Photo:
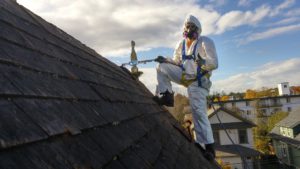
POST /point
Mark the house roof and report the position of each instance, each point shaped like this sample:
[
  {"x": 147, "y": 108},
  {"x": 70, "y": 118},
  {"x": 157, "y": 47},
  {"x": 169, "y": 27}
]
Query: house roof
[
  {"x": 238, "y": 150},
  {"x": 233, "y": 125},
  {"x": 64, "y": 106},
  {"x": 291, "y": 141},
  {"x": 245, "y": 122},
  {"x": 291, "y": 121}
]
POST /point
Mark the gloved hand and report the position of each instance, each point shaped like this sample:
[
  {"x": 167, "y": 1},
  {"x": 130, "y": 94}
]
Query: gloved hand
[{"x": 160, "y": 59}]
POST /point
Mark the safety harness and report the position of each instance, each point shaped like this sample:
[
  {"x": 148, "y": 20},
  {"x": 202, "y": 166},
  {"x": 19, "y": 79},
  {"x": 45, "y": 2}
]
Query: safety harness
[{"x": 200, "y": 73}]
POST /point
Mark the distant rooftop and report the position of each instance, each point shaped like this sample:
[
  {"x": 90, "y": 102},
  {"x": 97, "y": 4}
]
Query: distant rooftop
[{"x": 260, "y": 98}]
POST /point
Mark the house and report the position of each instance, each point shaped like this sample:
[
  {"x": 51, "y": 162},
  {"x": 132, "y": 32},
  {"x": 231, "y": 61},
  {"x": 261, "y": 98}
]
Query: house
[
  {"x": 63, "y": 106},
  {"x": 237, "y": 150},
  {"x": 262, "y": 107},
  {"x": 286, "y": 139}
]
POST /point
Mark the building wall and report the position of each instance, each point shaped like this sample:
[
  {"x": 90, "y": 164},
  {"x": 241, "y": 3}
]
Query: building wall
[
  {"x": 295, "y": 156},
  {"x": 233, "y": 133},
  {"x": 288, "y": 154},
  {"x": 292, "y": 105},
  {"x": 249, "y": 109},
  {"x": 282, "y": 151},
  {"x": 224, "y": 140},
  {"x": 250, "y": 138}
]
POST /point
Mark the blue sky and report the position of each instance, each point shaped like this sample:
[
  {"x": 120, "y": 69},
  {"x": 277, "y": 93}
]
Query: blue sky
[{"x": 257, "y": 41}]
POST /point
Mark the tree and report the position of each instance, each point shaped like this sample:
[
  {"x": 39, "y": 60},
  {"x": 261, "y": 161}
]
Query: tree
[
  {"x": 262, "y": 130},
  {"x": 275, "y": 118},
  {"x": 264, "y": 92},
  {"x": 295, "y": 89},
  {"x": 224, "y": 98},
  {"x": 250, "y": 94}
]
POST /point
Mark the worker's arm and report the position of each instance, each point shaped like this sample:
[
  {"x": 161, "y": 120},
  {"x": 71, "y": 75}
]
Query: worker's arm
[
  {"x": 211, "y": 58},
  {"x": 177, "y": 54}
]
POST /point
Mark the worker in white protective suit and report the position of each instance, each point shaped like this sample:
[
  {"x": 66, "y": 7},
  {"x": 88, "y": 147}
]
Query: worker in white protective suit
[{"x": 194, "y": 59}]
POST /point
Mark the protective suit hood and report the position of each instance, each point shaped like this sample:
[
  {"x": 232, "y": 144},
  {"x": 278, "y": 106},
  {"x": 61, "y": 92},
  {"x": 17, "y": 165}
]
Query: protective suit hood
[{"x": 193, "y": 19}]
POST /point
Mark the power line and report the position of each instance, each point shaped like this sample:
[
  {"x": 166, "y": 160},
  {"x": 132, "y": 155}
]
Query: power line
[{"x": 222, "y": 125}]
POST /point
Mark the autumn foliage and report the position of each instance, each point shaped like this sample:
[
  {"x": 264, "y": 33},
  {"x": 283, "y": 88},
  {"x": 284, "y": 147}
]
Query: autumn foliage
[
  {"x": 295, "y": 89},
  {"x": 263, "y": 128},
  {"x": 264, "y": 92}
]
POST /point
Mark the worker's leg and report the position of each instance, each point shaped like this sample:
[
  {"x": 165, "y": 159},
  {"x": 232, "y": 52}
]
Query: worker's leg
[
  {"x": 165, "y": 74},
  {"x": 197, "y": 97}
]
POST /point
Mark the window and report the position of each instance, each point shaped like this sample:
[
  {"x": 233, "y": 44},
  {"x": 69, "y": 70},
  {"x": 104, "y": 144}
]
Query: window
[
  {"x": 284, "y": 86},
  {"x": 264, "y": 111},
  {"x": 233, "y": 104},
  {"x": 277, "y": 110},
  {"x": 289, "y": 109},
  {"x": 284, "y": 150},
  {"x": 248, "y": 112},
  {"x": 288, "y": 100},
  {"x": 243, "y": 137},
  {"x": 216, "y": 137},
  {"x": 247, "y": 103}
]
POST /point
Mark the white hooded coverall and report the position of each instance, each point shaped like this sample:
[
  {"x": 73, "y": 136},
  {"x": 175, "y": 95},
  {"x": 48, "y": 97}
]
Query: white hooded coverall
[{"x": 197, "y": 94}]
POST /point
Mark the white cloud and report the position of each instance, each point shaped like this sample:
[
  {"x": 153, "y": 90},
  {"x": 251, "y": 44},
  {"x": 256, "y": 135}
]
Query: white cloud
[
  {"x": 233, "y": 19},
  {"x": 271, "y": 33},
  {"x": 238, "y": 18},
  {"x": 244, "y": 3},
  {"x": 268, "y": 75},
  {"x": 284, "y": 5},
  {"x": 218, "y": 2},
  {"x": 109, "y": 26},
  {"x": 285, "y": 21},
  {"x": 149, "y": 78},
  {"x": 293, "y": 12}
]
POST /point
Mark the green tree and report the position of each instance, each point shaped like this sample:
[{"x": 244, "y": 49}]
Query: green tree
[
  {"x": 275, "y": 118},
  {"x": 264, "y": 127}
]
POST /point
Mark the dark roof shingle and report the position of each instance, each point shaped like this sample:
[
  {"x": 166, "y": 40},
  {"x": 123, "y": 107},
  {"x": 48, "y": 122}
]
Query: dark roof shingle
[{"x": 64, "y": 106}]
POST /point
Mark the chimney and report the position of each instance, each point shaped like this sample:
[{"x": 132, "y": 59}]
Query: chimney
[{"x": 284, "y": 89}]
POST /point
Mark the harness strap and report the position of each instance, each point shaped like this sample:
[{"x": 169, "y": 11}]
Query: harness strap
[{"x": 189, "y": 57}]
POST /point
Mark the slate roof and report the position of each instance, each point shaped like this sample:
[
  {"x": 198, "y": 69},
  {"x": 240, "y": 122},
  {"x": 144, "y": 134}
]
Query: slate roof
[
  {"x": 239, "y": 150},
  {"x": 288, "y": 140},
  {"x": 245, "y": 123},
  {"x": 64, "y": 106},
  {"x": 291, "y": 121},
  {"x": 233, "y": 125}
]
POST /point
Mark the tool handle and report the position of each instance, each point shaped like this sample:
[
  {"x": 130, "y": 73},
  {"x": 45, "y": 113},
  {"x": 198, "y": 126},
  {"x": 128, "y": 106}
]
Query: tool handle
[{"x": 145, "y": 61}]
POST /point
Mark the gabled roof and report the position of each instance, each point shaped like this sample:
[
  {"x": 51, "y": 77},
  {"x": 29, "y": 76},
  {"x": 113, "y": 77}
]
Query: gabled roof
[
  {"x": 64, "y": 106},
  {"x": 292, "y": 120},
  {"x": 232, "y": 125},
  {"x": 244, "y": 122},
  {"x": 238, "y": 150},
  {"x": 291, "y": 141}
]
